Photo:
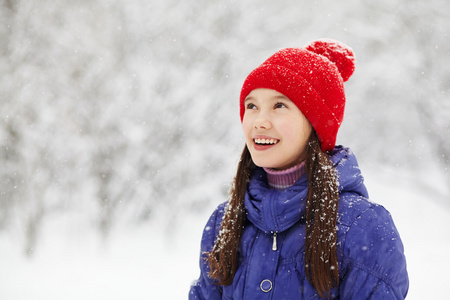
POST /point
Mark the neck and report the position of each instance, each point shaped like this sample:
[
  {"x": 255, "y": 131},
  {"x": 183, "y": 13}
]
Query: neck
[{"x": 284, "y": 178}]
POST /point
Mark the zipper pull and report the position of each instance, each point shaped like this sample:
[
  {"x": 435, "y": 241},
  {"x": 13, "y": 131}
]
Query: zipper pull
[{"x": 274, "y": 246}]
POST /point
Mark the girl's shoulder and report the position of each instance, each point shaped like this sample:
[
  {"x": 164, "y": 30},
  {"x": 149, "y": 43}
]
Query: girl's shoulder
[
  {"x": 353, "y": 206},
  {"x": 359, "y": 219},
  {"x": 212, "y": 227},
  {"x": 218, "y": 213}
]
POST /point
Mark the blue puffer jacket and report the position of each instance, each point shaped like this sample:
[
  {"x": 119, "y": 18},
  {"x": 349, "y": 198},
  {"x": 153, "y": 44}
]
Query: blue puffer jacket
[{"x": 371, "y": 260}]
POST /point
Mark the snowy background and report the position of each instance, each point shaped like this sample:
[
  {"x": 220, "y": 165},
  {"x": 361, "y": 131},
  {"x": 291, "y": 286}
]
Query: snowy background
[{"x": 119, "y": 132}]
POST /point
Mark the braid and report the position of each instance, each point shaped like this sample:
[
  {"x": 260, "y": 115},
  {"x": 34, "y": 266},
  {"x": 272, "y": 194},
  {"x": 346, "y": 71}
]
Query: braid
[
  {"x": 321, "y": 263},
  {"x": 223, "y": 258}
]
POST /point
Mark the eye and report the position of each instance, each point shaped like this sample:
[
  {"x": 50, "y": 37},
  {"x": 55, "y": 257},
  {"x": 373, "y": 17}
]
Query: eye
[
  {"x": 250, "y": 106},
  {"x": 280, "y": 105}
]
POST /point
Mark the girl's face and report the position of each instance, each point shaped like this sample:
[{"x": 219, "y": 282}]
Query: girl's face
[{"x": 275, "y": 130}]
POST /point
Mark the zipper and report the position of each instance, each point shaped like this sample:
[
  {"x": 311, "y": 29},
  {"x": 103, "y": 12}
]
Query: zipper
[{"x": 274, "y": 245}]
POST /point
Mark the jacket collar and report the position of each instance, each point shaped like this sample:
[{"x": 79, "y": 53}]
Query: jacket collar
[{"x": 273, "y": 210}]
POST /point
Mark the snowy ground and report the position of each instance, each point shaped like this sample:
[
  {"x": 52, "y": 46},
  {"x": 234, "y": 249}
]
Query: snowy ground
[{"x": 143, "y": 264}]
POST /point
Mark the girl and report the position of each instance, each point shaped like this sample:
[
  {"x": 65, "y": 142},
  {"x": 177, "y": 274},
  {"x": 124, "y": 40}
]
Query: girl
[{"x": 299, "y": 224}]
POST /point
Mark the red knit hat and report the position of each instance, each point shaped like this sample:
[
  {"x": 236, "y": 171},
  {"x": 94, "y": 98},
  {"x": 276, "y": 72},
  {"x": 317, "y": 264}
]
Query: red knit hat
[{"x": 313, "y": 78}]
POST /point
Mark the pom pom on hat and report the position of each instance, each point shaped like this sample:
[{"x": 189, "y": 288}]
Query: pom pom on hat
[
  {"x": 311, "y": 77},
  {"x": 338, "y": 53}
]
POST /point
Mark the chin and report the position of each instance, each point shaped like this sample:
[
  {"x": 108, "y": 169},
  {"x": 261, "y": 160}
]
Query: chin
[{"x": 266, "y": 165}]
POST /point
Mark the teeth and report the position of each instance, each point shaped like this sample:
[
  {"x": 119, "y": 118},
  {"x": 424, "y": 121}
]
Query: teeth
[{"x": 266, "y": 141}]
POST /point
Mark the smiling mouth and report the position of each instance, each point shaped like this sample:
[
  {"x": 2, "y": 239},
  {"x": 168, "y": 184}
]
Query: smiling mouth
[{"x": 265, "y": 141}]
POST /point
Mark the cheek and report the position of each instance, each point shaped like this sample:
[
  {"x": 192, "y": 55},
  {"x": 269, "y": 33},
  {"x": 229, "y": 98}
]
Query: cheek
[
  {"x": 295, "y": 131},
  {"x": 306, "y": 129},
  {"x": 246, "y": 126},
  {"x": 288, "y": 129}
]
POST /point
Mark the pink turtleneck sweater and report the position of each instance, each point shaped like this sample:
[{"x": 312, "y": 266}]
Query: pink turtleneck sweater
[{"x": 284, "y": 178}]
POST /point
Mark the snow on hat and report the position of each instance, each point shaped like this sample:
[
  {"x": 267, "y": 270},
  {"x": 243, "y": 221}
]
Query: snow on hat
[{"x": 313, "y": 78}]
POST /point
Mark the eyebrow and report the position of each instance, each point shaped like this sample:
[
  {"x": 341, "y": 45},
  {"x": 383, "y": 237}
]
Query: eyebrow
[
  {"x": 277, "y": 97},
  {"x": 283, "y": 97}
]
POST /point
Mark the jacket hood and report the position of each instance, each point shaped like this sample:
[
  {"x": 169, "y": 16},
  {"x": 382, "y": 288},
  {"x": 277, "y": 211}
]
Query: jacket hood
[
  {"x": 350, "y": 178},
  {"x": 273, "y": 210}
]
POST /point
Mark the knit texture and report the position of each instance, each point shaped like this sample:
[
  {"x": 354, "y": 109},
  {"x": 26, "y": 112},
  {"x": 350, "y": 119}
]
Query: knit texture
[
  {"x": 285, "y": 178},
  {"x": 311, "y": 77}
]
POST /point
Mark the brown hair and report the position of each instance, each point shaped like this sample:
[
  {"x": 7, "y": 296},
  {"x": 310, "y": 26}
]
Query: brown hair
[{"x": 321, "y": 265}]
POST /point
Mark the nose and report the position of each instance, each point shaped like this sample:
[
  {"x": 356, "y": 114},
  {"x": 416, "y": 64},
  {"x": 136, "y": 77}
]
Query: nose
[{"x": 262, "y": 122}]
